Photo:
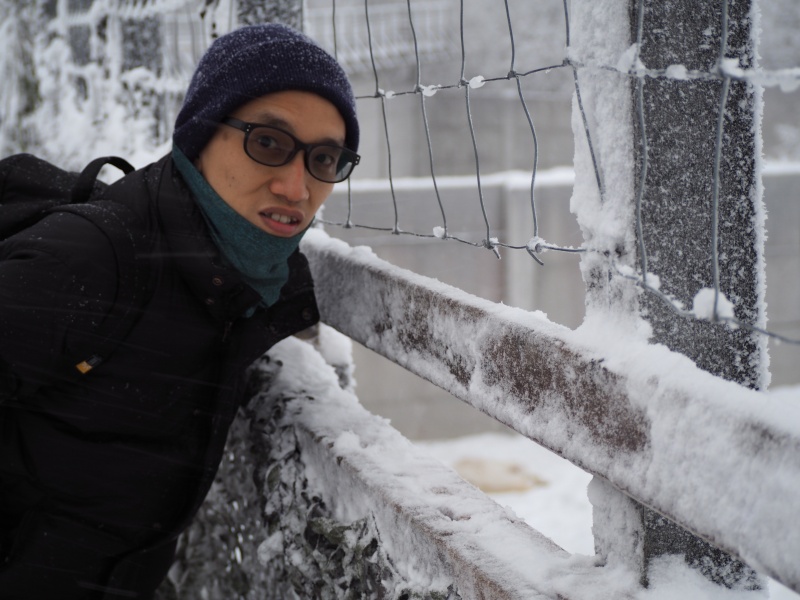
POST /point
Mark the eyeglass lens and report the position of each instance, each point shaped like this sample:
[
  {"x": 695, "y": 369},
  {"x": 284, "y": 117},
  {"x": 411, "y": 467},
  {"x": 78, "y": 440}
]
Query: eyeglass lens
[{"x": 274, "y": 147}]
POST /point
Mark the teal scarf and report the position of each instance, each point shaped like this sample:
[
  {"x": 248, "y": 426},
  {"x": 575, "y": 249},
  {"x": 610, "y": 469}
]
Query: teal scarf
[{"x": 260, "y": 257}]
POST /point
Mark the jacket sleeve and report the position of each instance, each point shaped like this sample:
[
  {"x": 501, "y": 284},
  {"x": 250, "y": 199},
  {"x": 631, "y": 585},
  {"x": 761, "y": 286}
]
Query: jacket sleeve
[{"x": 57, "y": 282}]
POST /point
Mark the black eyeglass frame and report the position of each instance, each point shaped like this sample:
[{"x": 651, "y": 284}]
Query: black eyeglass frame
[{"x": 307, "y": 149}]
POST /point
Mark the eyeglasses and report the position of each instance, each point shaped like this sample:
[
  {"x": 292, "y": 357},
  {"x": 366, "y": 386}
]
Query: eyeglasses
[{"x": 275, "y": 147}]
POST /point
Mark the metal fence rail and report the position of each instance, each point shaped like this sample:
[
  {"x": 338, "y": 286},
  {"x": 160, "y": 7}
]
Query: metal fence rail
[{"x": 614, "y": 416}]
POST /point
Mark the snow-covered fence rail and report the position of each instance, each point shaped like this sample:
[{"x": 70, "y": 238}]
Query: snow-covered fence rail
[
  {"x": 372, "y": 516},
  {"x": 342, "y": 506},
  {"x": 614, "y": 409},
  {"x": 667, "y": 194}
]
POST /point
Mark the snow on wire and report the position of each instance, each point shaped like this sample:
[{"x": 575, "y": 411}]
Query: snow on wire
[{"x": 629, "y": 64}]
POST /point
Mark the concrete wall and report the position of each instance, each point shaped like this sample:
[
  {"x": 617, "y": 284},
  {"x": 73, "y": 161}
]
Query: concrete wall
[{"x": 782, "y": 196}]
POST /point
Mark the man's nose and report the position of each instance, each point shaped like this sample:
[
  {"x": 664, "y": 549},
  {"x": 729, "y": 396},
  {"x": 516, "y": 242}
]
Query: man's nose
[{"x": 291, "y": 181}]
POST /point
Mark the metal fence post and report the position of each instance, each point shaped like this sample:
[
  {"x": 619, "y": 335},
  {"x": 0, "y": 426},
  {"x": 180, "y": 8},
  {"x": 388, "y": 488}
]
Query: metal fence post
[
  {"x": 252, "y": 12},
  {"x": 696, "y": 210},
  {"x": 702, "y": 141}
]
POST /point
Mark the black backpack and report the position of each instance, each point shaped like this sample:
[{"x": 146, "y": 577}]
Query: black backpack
[{"x": 31, "y": 188}]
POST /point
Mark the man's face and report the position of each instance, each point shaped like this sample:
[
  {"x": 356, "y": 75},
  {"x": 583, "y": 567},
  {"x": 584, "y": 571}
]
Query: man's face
[{"x": 280, "y": 200}]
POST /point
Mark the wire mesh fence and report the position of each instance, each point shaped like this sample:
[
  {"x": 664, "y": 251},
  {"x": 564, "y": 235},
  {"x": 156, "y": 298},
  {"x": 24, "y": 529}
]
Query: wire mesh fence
[{"x": 523, "y": 71}]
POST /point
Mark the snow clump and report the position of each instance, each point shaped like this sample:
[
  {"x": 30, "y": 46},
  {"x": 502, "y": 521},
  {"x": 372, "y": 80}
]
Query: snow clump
[{"x": 703, "y": 305}]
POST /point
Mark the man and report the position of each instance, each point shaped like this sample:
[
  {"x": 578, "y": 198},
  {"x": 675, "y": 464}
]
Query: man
[{"x": 100, "y": 473}]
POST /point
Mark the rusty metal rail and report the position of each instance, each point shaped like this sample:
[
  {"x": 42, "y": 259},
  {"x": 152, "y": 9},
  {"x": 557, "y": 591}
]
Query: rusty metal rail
[{"x": 646, "y": 429}]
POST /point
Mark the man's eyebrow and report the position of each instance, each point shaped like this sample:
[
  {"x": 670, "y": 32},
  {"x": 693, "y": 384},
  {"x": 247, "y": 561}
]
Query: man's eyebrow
[{"x": 273, "y": 121}]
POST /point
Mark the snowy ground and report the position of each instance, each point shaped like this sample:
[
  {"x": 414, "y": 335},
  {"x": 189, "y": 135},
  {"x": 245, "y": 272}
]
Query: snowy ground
[{"x": 547, "y": 491}]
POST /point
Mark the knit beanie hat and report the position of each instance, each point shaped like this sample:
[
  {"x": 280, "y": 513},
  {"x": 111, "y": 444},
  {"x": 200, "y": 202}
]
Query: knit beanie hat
[{"x": 249, "y": 63}]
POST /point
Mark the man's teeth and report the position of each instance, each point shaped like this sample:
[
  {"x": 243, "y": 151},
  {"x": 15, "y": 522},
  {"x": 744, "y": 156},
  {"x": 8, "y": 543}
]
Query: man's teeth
[{"x": 282, "y": 218}]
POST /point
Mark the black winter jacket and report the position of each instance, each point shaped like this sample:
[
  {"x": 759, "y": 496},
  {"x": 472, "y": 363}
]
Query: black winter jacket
[{"x": 99, "y": 473}]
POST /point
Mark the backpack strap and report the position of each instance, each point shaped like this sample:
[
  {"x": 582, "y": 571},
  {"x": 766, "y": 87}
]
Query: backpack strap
[
  {"x": 84, "y": 186},
  {"x": 125, "y": 232},
  {"x": 123, "y": 229}
]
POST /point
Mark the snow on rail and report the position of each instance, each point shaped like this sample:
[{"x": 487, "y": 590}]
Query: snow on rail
[
  {"x": 721, "y": 460},
  {"x": 439, "y": 531}
]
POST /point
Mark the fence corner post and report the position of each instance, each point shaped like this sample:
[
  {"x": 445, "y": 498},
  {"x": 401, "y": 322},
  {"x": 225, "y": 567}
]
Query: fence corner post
[{"x": 693, "y": 203}]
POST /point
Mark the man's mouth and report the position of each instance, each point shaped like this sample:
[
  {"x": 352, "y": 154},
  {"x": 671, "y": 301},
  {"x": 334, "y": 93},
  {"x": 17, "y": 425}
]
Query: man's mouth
[{"x": 285, "y": 219}]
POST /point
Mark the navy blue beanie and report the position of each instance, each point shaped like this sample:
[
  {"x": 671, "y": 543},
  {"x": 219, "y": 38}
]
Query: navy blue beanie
[{"x": 249, "y": 63}]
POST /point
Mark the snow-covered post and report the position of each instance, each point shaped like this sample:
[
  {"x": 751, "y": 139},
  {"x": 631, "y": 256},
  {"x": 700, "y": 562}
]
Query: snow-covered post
[
  {"x": 668, "y": 192},
  {"x": 19, "y": 94},
  {"x": 289, "y": 12},
  {"x": 222, "y": 16}
]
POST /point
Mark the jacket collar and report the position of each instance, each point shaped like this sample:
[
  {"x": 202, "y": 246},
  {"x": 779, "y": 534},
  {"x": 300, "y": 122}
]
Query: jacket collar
[{"x": 189, "y": 244}]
